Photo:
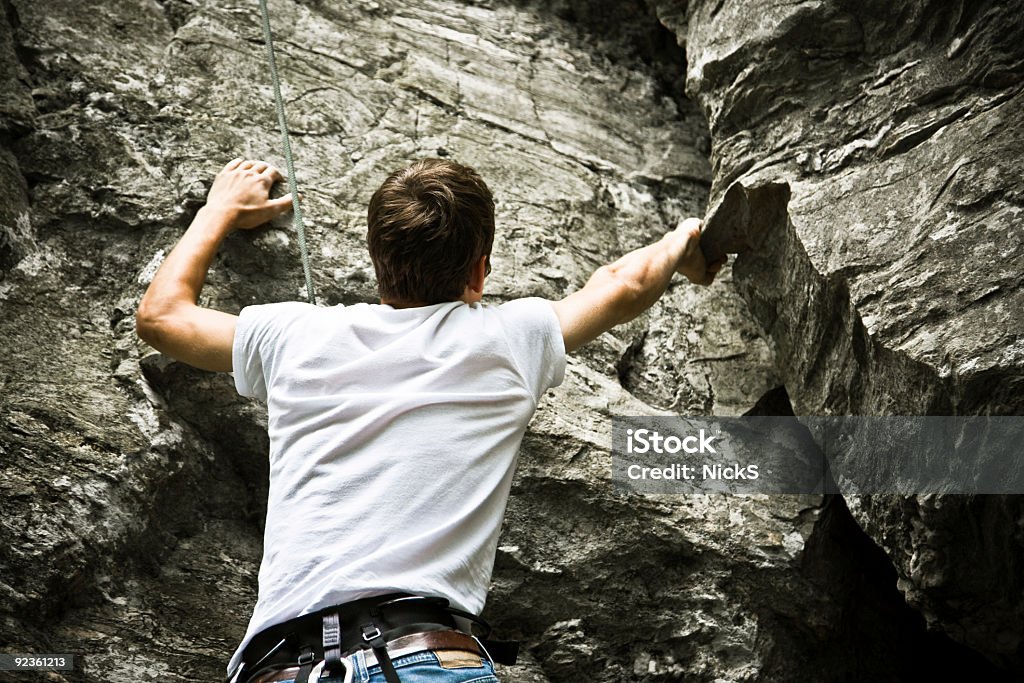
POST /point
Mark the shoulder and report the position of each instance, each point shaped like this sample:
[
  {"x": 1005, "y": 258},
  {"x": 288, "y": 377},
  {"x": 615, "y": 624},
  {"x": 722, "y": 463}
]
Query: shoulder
[
  {"x": 531, "y": 316},
  {"x": 282, "y": 308},
  {"x": 533, "y": 334},
  {"x": 529, "y": 307},
  {"x": 274, "y": 318}
]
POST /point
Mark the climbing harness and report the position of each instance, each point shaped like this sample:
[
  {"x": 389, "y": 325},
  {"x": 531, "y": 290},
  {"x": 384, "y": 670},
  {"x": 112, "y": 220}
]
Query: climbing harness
[
  {"x": 381, "y": 627},
  {"x": 300, "y": 226}
]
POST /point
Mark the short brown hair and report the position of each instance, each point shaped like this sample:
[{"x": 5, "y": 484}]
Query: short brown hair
[{"x": 429, "y": 224}]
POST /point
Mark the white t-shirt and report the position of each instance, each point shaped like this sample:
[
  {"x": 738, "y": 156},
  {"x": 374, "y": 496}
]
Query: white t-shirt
[{"x": 393, "y": 439}]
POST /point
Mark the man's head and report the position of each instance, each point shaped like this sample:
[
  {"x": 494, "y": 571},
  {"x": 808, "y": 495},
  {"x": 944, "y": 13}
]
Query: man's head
[{"x": 429, "y": 227}]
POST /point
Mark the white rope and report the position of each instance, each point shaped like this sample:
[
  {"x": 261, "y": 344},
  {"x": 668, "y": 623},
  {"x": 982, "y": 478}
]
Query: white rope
[{"x": 300, "y": 226}]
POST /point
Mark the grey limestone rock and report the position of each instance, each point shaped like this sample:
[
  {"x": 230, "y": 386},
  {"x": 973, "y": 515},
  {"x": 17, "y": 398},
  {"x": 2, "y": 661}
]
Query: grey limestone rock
[{"x": 893, "y": 283}]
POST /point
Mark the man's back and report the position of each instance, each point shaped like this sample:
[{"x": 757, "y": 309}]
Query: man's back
[
  {"x": 394, "y": 427},
  {"x": 394, "y": 435}
]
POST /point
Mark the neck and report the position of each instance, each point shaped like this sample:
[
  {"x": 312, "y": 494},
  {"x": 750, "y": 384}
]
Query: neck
[
  {"x": 397, "y": 303},
  {"x": 403, "y": 304}
]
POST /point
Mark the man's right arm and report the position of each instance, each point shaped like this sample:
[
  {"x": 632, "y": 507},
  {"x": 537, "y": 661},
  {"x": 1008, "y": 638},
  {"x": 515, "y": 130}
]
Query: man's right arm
[{"x": 620, "y": 291}]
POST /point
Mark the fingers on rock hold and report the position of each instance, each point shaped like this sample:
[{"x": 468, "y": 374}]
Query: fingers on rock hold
[{"x": 282, "y": 202}]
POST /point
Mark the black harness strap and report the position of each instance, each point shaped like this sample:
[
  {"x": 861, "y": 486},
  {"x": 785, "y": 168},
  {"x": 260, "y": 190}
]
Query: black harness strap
[
  {"x": 373, "y": 636},
  {"x": 501, "y": 651},
  {"x": 332, "y": 643},
  {"x": 307, "y": 658}
]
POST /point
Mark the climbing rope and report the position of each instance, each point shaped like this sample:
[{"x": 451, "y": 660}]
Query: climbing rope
[{"x": 300, "y": 227}]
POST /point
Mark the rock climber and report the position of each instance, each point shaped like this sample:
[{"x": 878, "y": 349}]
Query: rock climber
[{"x": 394, "y": 427}]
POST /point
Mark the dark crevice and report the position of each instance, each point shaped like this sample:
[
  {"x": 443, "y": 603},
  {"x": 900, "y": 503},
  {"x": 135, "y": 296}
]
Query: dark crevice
[
  {"x": 628, "y": 31},
  {"x": 631, "y": 357},
  {"x": 11, "y": 12},
  {"x": 177, "y": 12},
  {"x": 229, "y": 424},
  {"x": 634, "y": 28},
  {"x": 773, "y": 402},
  {"x": 914, "y": 138},
  {"x": 17, "y": 121},
  {"x": 880, "y": 637},
  {"x": 871, "y": 632}
]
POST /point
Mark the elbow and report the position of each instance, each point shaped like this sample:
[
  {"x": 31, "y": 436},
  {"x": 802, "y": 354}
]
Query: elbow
[
  {"x": 149, "y": 322},
  {"x": 145, "y": 324}
]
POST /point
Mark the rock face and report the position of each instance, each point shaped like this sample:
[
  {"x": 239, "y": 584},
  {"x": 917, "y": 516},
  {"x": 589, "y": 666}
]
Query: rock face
[
  {"x": 133, "y": 488},
  {"x": 893, "y": 282}
]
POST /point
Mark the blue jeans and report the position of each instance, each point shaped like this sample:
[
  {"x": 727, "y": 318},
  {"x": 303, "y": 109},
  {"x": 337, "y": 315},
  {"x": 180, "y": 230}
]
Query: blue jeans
[{"x": 420, "y": 667}]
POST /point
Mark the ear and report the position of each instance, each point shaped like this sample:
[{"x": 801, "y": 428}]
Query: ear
[{"x": 478, "y": 275}]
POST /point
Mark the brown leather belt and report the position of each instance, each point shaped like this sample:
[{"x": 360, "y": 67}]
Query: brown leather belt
[{"x": 399, "y": 647}]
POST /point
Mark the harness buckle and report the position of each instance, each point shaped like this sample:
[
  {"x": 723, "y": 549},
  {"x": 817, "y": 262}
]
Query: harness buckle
[{"x": 368, "y": 636}]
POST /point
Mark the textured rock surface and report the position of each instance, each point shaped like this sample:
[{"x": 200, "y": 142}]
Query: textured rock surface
[
  {"x": 132, "y": 488},
  {"x": 896, "y": 286}
]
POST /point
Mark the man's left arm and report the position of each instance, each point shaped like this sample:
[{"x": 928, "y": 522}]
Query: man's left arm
[{"x": 169, "y": 318}]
